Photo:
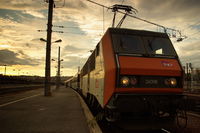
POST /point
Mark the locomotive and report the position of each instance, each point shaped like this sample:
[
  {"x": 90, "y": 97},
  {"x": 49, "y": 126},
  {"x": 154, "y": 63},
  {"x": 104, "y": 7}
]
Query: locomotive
[{"x": 132, "y": 75}]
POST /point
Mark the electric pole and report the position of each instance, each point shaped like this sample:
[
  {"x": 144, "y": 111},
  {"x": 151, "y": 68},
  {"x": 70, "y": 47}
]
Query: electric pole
[
  {"x": 58, "y": 71},
  {"x": 47, "y": 90}
]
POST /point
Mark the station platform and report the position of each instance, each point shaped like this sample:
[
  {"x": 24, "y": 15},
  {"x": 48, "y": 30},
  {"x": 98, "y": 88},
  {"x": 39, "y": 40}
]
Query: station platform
[{"x": 59, "y": 113}]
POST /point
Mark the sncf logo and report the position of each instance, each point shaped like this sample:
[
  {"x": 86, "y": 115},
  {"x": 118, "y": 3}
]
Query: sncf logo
[{"x": 166, "y": 64}]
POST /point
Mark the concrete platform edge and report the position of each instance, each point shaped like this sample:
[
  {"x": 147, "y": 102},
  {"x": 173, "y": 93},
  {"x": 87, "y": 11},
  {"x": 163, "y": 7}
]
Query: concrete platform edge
[{"x": 91, "y": 121}]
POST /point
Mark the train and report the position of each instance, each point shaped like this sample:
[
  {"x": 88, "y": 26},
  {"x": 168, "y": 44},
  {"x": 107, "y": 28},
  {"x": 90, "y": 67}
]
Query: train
[{"x": 132, "y": 75}]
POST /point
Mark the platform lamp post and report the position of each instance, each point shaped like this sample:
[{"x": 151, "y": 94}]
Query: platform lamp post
[
  {"x": 58, "y": 71},
  {"x": 47, "y": 89}
]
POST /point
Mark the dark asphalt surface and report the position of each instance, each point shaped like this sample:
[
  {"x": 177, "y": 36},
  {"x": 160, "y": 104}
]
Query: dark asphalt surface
[{"x": 59, "y": 113}]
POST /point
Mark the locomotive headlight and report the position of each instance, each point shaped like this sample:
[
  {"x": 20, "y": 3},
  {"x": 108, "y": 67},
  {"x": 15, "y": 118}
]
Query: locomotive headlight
[
  {"x": 125, "y": 81},
  {"x": 171, "y": 82}
]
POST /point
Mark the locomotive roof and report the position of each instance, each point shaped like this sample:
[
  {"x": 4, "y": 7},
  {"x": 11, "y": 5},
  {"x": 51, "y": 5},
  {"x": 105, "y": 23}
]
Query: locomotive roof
[{"x": 136, "y": 32}]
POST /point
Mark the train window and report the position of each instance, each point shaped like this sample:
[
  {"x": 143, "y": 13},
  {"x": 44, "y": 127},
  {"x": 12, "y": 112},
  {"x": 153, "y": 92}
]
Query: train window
[
  {"x": 128, "y": 44},
  {"x": 159, "y": 46},
  {"x": 89, "y": 65}
]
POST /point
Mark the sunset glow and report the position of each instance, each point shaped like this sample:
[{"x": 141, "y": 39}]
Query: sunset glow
[{"x": 24, "y": 54}]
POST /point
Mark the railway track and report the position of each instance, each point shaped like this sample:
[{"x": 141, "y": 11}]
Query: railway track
[
  {"x": 111, "y": 128},
  {"x": 193, "y": 103}
]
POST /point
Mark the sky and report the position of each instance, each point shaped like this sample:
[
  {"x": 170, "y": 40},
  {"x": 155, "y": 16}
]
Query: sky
[{"x": 84, "y": 24}]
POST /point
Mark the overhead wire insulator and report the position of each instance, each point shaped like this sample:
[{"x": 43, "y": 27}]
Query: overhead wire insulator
[
  {"x": 58, "y": 26},
  {"x": 58, "y": 31},
  {"x": 41, "y": 30}
]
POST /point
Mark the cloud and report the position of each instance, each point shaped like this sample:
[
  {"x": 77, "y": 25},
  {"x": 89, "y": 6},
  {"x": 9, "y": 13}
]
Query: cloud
[
  {"x": 170, "y": 13},
  {"x": 74, "y": 61},
  {"x": 20, "y": 20},
  {"x": 73, "y": 4},
  {"x": 73, "y": 49},
  {"x": 166, "y": 9},
  {"x": 189, "y": 52},
  {"x": 1, "y": 30},
  {"x": 17, "y": 34},
  {"x": 22, "y": 4},
  {"x": 12, "y": 15},
  {"x": 35, "y": 13},
  {"x": 8, "y": 57}
]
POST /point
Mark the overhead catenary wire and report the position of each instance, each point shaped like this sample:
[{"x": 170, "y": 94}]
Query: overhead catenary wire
[
  {"x": 75, "y": 27},
  {"x": 73, "y": 33},
  {"x": 130, "y": 15},
  {"x": 97, "y": 4},
  {"x": 165, "y": 28},
  {"x": 141, "y": 19},
  {"x": 62, "y": 32}
]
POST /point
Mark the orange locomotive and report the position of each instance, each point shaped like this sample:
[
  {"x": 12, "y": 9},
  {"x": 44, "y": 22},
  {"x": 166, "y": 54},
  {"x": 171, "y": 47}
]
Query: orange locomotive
[{"x": 133, "y": 74}]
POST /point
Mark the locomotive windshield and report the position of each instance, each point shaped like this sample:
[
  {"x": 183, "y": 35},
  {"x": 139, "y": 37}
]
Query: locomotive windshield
[
  {"x": 152, "y": 46},
  {"x": 159, "y": 46},
  {"x": 124, "y": 44}
]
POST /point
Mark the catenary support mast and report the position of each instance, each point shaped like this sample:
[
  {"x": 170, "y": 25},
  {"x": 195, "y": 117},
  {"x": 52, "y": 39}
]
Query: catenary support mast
[{"x": 47, "y": 90}]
